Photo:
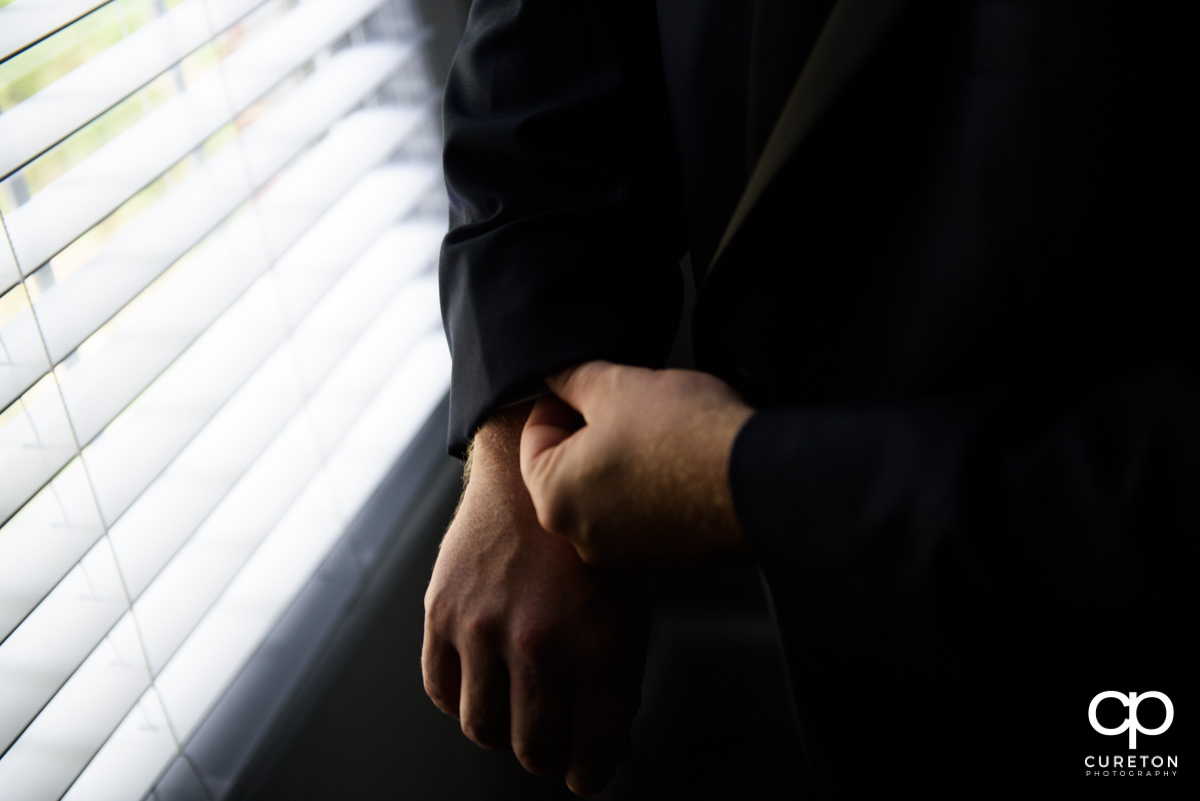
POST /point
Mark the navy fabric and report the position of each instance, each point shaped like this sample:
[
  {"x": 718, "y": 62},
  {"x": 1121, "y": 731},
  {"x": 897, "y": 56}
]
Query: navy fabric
[{"x": 960, "y": 308}]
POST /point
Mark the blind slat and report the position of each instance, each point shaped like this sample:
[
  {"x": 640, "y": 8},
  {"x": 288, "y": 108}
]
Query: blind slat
[
  {"x": 22, "y": 354},
  {"x": 355, "y": 380},
  {"x": 8, "y": 267},
  {"x": 204, "y": 296},
  {"x": 214, "y": 652},
  {"x": 57, "y": 635},
  {"x": 71, "y": 310},
  {"x": 131, "y": 759},
  {"x": 52, "y": 752},
  {"x": 187, "y": 586},
  {"x": 85, "y": 92},
  {"x": 154, "y": 528},
  {"x": 104, "y": 375},
  {"x": 394, "y": 259},
  {"x": 170, "y": 509},
  {"x": 309, "y": 28},
  {"x": 41, "y": 543},
  {"x": 35, "y": 442},
  {"x": 243, "y": 615},
  {"x": 26, "y": 21},
  {"x": 85, "y": 194},
  {"x": 140, "y": 442},
  {"x": 380, "y": 433},
  {"x": 332, "y": 244},
  {"x": 301, "y": 195}
]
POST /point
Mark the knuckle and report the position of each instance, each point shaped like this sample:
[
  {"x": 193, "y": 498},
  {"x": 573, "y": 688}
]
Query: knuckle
[
  {"x": 591, "y": 554},
  {"x": 547, "y": 520},
  {"x": 556, "y": 512},
  {"x": 589, "y": 776},
  {"x": 437, "y": 612},
  {"x": 474, "y": 732},
  {"x": 483, "y": 627},
  {"x": 533, "y": 640},
  {"x": 537, "y": 758},
  {"x": 564, "y": 505},
  {"x": 597, "y": 646},
  {"x": 484, "y": 735},
  {"x": 587, "y": 555},
  {"x": 440, "y": 699},
  {"x": 614, "y": 381}
]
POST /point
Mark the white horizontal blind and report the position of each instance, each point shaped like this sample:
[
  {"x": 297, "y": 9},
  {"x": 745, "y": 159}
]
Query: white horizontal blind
[
  {"x": 218, "y": 328},
  {"x": 28, "y": 21}
]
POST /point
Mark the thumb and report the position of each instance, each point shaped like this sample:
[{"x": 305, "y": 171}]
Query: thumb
[
  {"x": 549, "y": 427},
  {"x": 583, "y": 387}
]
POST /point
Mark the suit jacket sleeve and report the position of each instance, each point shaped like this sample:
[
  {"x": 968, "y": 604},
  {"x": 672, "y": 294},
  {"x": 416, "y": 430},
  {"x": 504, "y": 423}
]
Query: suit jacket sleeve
[
  {"x": 933, "y": 568},
  {"x": 562, "y": 242}
]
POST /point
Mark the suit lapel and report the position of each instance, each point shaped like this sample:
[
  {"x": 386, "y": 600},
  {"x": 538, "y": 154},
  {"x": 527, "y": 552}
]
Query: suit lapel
[{"x": 850, "y": 35}]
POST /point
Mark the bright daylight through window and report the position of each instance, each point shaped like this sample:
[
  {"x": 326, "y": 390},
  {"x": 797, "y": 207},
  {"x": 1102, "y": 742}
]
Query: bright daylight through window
[{"x": 218, "y": 329}]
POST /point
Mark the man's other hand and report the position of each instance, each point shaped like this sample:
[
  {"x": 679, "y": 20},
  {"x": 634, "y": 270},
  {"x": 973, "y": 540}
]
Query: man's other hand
[
  {"x": 631, "y": 465},
  {"x": 526, "y": 645}
]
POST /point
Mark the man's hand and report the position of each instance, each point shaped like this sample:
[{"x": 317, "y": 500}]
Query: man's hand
[
  {"x": 525, "y": 644},
  {"x": 633, "y": 467}
]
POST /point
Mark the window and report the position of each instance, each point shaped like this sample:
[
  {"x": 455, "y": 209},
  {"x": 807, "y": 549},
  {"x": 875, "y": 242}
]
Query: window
[{"x": 218, "y": 329}]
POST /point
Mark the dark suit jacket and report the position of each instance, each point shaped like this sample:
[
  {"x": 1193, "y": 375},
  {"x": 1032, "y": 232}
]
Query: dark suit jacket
[{"x": 952, "y": 281}]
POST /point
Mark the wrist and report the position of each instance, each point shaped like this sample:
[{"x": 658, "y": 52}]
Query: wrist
[{"x": 496, "y": 445}]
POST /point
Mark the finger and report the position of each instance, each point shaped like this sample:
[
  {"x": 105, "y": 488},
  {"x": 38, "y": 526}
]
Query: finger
[
  {"x": 483, "y": 707},
  {"x": 601, "y": 714},
  {"x": 537, "y": 702},
  {"x": 551, "y": 432},
  {"x": 583, "y": 386},
  {"x": 550, "y": 422},
  {"x": 441, "y": 671}
]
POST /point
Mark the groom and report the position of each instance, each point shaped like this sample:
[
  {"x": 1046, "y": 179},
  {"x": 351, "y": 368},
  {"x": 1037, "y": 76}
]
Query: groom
[{"x": 949, "y": 398}]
